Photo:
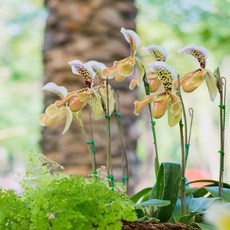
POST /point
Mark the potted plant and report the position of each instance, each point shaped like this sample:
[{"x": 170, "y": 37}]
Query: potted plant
[{"x": 52, "y": 200}]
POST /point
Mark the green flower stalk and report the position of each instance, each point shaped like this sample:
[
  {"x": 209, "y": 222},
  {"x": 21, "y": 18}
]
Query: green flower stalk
[
  {"x": 125, "y": 164},
  {"x": 221, "y": 86}
]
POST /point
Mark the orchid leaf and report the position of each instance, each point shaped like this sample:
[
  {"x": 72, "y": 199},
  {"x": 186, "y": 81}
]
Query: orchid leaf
[
  {"x": 214, "y": 192},
  {"x": 201, "y": 203},
  {"x": 140, "y": 194},
  {"x": 153, "y": 202},
  {"x": 167, "y": 188}
]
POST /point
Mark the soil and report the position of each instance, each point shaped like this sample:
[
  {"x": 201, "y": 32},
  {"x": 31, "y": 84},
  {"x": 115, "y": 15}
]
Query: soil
[{"x": 155, "y": 226}]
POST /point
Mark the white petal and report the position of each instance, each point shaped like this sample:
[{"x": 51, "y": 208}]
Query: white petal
[
  {"x": 189, "y": 48},
  {"x": 162, "y": 65},
  {"x": 160, "y": 49},
  {"x": 130, "y": 34},
  {"x": 98, "y": 66},
  {"x": 61, "y": 91},
  {"x": 75, "y": 64}
]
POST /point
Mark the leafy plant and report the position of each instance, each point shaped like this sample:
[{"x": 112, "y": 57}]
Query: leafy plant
[{"x": 57, "y": 201}]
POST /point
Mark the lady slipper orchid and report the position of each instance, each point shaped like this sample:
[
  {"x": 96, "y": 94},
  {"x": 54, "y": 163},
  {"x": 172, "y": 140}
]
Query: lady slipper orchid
[
  {"x": 98, "y": 68},
  {"x": 84, "y": 70},
  {"x": 126, "y": 67},
  {"x": 160, "y": 54},
  {"x": 53, "y": 113},
  {"x": 87, "y": 71},
  {"x": 194, "y": 79},
  {"x": 164, "y": 101}
]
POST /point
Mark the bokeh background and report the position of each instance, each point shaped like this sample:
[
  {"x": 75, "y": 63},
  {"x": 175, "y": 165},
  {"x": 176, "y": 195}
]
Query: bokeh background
[{"x": 170, "y": 23}]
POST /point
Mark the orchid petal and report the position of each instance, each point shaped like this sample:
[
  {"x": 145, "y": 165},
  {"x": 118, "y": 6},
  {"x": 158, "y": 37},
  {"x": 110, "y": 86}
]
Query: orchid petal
[
  {"x": 174, "y": 113},
  {"x": 119, "y": 78},
  {"x": 165, "y": 73},
  {"x": 158, "y": 52},
  {"x": 109, "y": 72},
  {"x": 103, "y": 92},
  {"x": 154, "y": 84},
  {"x": 61, "y": 91},
  {"x": 79, "y": 68},
  {"x": 52, "y": 115},
  {"x": 84, "y": 96},
  {"x": 140, "y": 71},
  {"x": 98, "y": 67},
  {"x": 126, "y": 70},
  {"x": 139, "y": 105},
  {"x": 211, "y": 83},
  {"x": 69, "y": 118},
  {"x": 193, "y": 80},
  {"x": 160, "y": 106},
  {"x": 199, "y": 52},
  {"x": 75, "y": 104},
  {"x": 132, "y": 38},
  {"x": 133, "y": 84},
  {"x": 95, "y": 104},
  {"x": 174, "y": 110}
]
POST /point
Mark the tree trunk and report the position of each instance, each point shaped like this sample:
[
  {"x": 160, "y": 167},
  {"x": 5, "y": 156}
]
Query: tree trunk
[{"x": 87, "y": 30}]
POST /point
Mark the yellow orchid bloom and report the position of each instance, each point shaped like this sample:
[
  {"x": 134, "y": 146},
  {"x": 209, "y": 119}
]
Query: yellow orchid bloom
[
  {"x": 218, "y": 214},
  {"x": 127, "y": 66},
  {"x": 52, "y": 115},
  {"x": 194, "y": 79},
  {"x": 165, "y": 101}
]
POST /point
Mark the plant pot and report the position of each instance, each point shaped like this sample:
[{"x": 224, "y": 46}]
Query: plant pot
[{"x": 154, "y": 226}]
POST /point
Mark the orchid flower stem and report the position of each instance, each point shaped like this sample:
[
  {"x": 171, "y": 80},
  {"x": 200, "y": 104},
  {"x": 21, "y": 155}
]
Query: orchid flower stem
[
  {"x": 183, "y": 179},
  {"x": 156, "y": 160},
  {"x": 91, "y": 149},
  {"x": 187, "y": 145},
  {"x": 91, "y": 142},
  {"x": 184, "y": 152},
  {"x": 108, "y": 126},
  {"x": 222, "y": 133},
  {"x": 125, "y": 167}
]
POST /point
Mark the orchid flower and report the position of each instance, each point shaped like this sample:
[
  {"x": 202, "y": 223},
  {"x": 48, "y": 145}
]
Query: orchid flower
[
  {"x": 193, "y": 80},
  {"x": 160, "y": 54},
  {"x": 55, "y": 114},
  {"x": 166, "y": 100},
  {"x": 218, "y": 214},
  {"x": 90, "y": 96},
  {"x": 126, "y": 67},
  {"x": 98, "y": 68}
]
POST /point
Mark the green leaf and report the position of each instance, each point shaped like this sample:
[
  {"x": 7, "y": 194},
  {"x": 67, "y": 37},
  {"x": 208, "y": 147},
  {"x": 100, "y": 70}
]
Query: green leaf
[
  {"x": 153, "y": 202},
  {"x": 204, "y": 226},
  {"x": 140, "y": 194},
  {"x": 214, "y": 192},
  {"x": 167, "y": 188},
  {"x": 200, "y": 204}
]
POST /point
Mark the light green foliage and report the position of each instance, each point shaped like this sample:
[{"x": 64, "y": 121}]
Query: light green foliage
[
  {"x": 57, "y": 201},
  {"x": 14, "y": 214}
]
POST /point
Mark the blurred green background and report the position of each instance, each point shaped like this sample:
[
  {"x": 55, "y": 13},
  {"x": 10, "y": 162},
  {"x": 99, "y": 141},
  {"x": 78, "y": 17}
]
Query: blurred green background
[{"x": 171, "y": 23}]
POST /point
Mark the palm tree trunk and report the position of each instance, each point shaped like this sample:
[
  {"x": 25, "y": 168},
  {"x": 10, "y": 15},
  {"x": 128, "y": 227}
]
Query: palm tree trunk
[{"x": 87, "y": 30}]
